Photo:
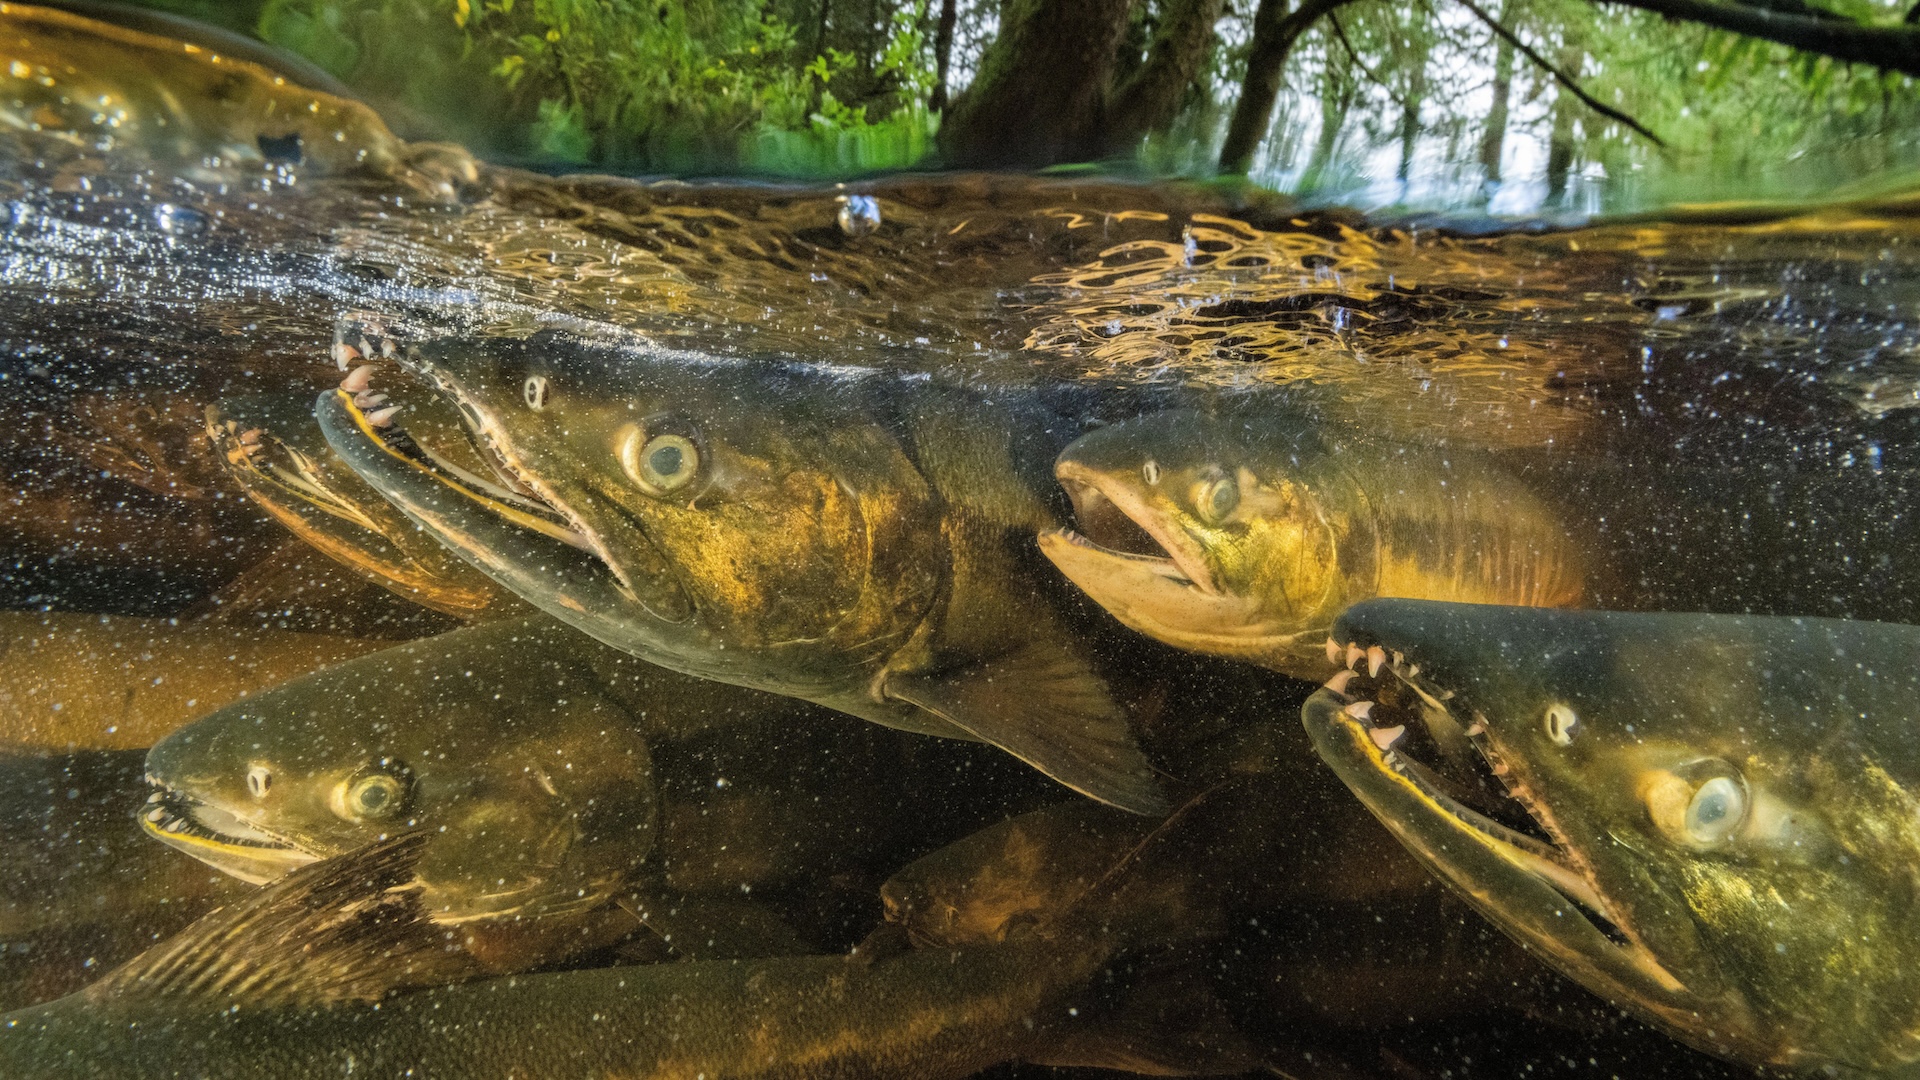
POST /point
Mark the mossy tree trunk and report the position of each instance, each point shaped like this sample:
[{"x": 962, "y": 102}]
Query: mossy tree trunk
[
  {"x": 1418, "y": 50},
  {"x": 1276, "y": 27},
  {"x": 1493, "y": 142},
  {"x": 1152, "y": 95},
  {"x": 1040, "y": 96},
  {"x": 1337, "y": 89}
]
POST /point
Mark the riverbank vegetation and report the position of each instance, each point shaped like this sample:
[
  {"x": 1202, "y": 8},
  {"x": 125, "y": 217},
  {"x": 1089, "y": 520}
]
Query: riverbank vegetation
[{"x": 1511, "y": 104}]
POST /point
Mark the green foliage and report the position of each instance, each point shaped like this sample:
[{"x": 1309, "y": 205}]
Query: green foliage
[
  {"x": 632, "y": 85},
  {"x": 1742, "y": 118},
  {"x": 1397, "y": 92}
]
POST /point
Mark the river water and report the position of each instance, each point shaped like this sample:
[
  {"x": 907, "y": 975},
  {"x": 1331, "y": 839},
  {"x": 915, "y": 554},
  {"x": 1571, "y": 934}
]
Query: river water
[{"x": 1720, "y": 404}]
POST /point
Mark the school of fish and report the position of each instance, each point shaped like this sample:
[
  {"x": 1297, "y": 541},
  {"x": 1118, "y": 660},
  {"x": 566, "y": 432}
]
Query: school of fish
[{"x": 795, "y": 715}]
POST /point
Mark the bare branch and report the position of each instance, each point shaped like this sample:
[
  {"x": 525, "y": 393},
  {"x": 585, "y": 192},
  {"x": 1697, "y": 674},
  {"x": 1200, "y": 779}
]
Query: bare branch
[
  {"x": 1341, "y": 33},
  {"x": 1562, "y": 77},
  {"x": 1895, "y": 48}
]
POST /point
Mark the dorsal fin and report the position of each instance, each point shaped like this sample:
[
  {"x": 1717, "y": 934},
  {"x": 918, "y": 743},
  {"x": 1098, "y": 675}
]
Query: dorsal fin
[{"x": 349, "y": 928}]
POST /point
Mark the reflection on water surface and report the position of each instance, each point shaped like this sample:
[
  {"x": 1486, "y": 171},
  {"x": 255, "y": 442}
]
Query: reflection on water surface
[{"x": 885, "y": 639}]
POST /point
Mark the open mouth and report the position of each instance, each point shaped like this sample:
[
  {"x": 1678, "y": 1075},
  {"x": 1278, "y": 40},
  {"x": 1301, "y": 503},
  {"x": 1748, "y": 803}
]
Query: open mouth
[
  {"x": 221, "y": 839},
  {"x": 263, "y": 461},
  {"x": 516, "y": 496},
  {"x": 518, "y": 530},
  {"x": 1413, "y": 728},
  {"x": 1118, "y": 524}
]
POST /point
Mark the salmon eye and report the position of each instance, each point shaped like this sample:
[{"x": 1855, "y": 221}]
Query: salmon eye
[
  {"x": 1150, "y": 472},
  {"x": 661, "y": 464},
  {"x": 1699, "y": 804},
  {"x": 1215, "y": 499},
  {"x": 259, "y": 780},
  {"x": 1716, "y": 809},
  {"x": 1562, "y": 724},
  {"x": 372, "y": 794},
  {"x": 534, "y": 390}
]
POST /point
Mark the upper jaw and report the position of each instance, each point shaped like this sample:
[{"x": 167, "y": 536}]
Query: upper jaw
[{"x": 1106, "y": 507}]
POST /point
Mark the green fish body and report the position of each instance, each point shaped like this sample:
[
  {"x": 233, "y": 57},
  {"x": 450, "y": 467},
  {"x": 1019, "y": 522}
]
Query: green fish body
[
  {"x": 228, "y": 999},
  {"x": 1712, "y": 820},
  {"x": 854, "y": 540},
  {"x": 572, "y": 792}
]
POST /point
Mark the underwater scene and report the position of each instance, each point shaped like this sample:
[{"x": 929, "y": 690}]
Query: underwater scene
[{"x": 469, "y": 620}]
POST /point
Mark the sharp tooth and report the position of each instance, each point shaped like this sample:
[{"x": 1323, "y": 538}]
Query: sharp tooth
[
  {"x": 367, "y": 399},
  {"x": 1376, "y": 659},
  {"x": 1499, "y": 768},
  {"x": 1360, "y": 710},
  {"x": 250, "y": 437},
  {"x": 1333, "y": 651},
  {"x": 383, "y": 417},
  {"x": 359, "y": 378},
  {"x": 1385, "y": 737},
  {"x": 1413, "y": 670},
  {"x": 1338, "y": 684},
  {"x": 1476, "y": 728},
  {"x": 158, "y": 796},
  {"x": 157, "y": 813},
  {"x": 344, "y": 354},
  {"x": 1354, "y": 656},
  {"x": 173, "y": 825}
]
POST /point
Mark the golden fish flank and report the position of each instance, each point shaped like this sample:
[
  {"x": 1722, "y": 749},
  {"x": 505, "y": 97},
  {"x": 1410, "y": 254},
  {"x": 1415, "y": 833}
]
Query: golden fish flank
[
  {"x": 1244, "y": 533},
  {"x": 1709, "y": 819},
  {"x": 844, "y": 538},
  {"x": 73, "y": 682}
]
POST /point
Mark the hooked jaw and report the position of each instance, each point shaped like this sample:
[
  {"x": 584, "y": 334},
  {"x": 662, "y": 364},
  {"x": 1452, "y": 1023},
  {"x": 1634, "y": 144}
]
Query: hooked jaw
[
  {"x": 527, "y": 537},
  {"x": 1122, "y": 527},
  {"x": 1538, "y": 888}
]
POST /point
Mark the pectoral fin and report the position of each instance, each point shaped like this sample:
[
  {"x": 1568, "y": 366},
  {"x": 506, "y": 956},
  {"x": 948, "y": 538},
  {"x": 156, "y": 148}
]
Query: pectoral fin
[
  {"x": 1044, "y": 706},
  {"x": 350, "y": 928}
]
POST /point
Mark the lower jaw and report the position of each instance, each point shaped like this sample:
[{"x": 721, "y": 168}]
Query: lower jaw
[{"x": 253, "y": 864}]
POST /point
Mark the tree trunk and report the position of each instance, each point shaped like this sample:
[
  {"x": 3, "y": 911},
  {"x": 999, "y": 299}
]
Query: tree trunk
[
  {"x": 1493, "y": 142},
  {"x": 1040, "y": 96},
  {"x": 1152, "y": 97},
  {"x": 1560, "y": 140},
  {"x": 1336, "y": 96},
  {"x": 1275, "y": 29},
  {"x": 942, "y": 55},
  {"x": 1410, "y": 111}
]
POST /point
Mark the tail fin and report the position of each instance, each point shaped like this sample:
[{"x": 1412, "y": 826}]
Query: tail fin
[{"x": 350, "y": 928}]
